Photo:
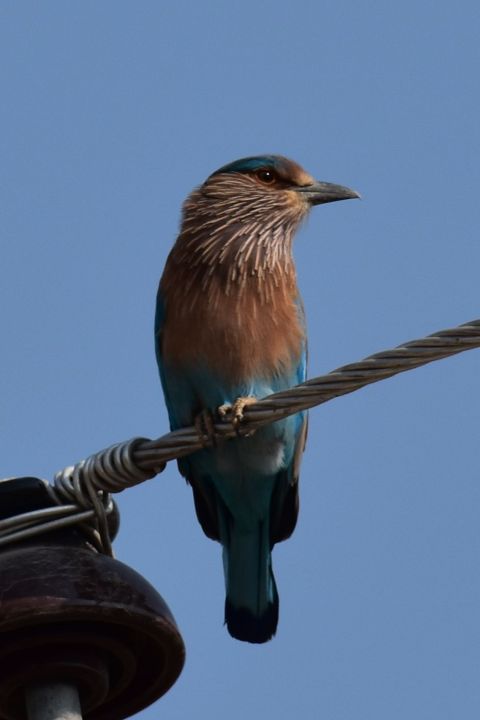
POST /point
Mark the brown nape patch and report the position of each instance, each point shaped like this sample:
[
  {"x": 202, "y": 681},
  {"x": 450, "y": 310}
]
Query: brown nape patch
[{"x": 239, "y": 335}]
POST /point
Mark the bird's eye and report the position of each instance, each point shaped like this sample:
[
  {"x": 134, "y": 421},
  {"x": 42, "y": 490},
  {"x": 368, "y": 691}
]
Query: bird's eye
[{"x": 266, "y": 176}]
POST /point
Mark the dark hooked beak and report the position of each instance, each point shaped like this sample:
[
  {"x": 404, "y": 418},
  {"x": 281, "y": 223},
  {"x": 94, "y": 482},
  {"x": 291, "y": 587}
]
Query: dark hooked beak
[{"x": 324, "y": 192}]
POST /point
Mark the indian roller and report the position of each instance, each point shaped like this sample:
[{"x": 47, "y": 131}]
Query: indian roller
[{"x": 230, "y": 327}]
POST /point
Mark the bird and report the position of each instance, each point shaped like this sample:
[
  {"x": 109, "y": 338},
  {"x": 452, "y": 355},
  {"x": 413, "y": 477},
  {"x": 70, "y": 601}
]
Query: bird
[{"x": 229, "y": 328}]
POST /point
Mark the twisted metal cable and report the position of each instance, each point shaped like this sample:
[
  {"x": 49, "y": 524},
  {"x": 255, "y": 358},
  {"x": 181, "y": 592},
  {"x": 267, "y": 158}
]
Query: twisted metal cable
[
  {"x": 343, "y": 380},
  {"x": 82, "y": 491},
  {"x": 146, "y": 458}
]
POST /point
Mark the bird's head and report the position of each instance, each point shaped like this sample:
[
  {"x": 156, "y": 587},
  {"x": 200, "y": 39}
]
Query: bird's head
[
  {"x": 278, "y": 181},
  {"x": 266, "y": 190},
  {"x": 246, "y": 213}
]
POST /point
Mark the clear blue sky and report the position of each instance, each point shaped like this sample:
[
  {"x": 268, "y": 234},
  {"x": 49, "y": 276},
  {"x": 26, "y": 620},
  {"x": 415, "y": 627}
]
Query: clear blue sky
[{"x": 111, "y": 113}]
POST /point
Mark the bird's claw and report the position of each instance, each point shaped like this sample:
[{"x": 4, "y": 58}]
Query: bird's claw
[
  {"x": 234, "y": 413},
  {"x": 205, "y": 426}
]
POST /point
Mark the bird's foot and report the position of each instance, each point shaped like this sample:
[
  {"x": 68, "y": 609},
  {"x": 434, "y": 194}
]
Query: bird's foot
[
  {"x": 234, "y": 412},
  {"x": 205, "y": 426}
]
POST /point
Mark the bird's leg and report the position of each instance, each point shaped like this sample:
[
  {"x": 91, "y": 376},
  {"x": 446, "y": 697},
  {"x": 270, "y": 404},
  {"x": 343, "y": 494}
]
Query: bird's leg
[
  {"x": 205, "y": 426},
  {"x": 234, "y": 412}
]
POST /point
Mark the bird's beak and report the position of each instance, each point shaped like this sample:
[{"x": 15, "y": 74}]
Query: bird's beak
[{"x": 324, "y": 192}]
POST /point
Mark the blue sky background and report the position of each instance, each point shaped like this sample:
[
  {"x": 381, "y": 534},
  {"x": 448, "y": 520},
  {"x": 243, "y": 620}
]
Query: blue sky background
[{"x": 111, "y": 113}]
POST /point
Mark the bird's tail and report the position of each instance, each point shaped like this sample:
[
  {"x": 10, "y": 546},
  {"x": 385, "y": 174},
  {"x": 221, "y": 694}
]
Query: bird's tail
[{"x": 251, "y": 605}]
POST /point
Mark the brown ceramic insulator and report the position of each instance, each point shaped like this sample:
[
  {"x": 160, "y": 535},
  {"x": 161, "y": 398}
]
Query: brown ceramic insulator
[{"x": 69, "y": 614}]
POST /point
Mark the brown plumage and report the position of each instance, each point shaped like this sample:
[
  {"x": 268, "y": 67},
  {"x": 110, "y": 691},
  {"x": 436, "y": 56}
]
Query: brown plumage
[{"x": 230, "y": 277}]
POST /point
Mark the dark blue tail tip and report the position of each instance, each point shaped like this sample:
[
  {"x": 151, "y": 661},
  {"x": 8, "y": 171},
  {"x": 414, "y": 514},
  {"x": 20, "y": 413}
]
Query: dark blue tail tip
[{"x": 243, "y": 625}]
